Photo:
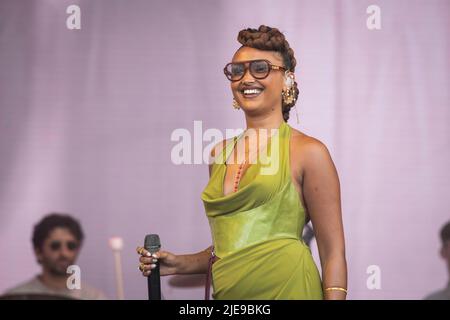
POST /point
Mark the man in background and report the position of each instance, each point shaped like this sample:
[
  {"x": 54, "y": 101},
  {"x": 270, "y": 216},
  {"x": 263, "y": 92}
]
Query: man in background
[
  {"x": 57, "y": 241},
  {"x": 444, "y": 294}
]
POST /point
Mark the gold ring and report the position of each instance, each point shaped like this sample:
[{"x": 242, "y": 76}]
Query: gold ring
[
  {"x": 141, "y": 266},
  {"x": 139, "y": 250}
]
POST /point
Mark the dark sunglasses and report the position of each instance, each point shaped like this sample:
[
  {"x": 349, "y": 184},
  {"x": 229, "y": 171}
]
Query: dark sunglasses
[
  {"x": 259, "y": 69},
  {"x": 56, "y": 245}
]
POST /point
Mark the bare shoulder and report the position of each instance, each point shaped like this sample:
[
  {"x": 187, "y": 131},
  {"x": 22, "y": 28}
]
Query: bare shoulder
[
  {"x": 304, "y": 144},
  {"x": 306, "y": 151}
]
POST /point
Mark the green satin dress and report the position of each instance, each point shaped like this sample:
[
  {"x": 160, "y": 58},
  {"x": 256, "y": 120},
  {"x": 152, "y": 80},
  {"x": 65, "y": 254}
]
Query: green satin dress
[{"x": 256, "y": 231}]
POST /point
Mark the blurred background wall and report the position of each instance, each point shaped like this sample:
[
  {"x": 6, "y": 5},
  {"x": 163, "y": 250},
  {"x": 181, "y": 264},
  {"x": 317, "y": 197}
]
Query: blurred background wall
[{"x": 86, "y": 118}]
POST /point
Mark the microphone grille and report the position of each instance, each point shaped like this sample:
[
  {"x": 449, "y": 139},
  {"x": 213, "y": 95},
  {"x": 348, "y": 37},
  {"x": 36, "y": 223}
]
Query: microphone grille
[{"x": 152, "y": 242}]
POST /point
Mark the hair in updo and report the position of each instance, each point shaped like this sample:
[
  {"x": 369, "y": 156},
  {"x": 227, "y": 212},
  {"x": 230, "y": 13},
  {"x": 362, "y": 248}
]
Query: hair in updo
[{"x": 271, "y": 39}]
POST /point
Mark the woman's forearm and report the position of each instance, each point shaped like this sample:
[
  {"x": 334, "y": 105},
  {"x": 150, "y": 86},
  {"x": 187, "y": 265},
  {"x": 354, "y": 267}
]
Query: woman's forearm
[
  {"x": 334, "y": 275},
  {"x": 196, "y": 263}
]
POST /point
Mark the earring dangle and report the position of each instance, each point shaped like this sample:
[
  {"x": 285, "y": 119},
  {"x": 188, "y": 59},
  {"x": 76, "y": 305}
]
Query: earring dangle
[
  {"x": 236, "y": 104},
  {"x": 296, "y": 113},
  {"x": 288, "y": 95},
  {"x": 289, "y": 98}
]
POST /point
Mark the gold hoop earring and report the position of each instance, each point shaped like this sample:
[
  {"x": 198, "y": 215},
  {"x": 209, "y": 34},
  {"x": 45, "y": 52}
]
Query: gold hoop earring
[{"x": 236, "y": 104}]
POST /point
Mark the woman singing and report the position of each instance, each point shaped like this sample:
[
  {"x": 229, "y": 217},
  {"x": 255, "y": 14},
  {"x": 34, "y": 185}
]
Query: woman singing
[{"x": 257, "y": 219}]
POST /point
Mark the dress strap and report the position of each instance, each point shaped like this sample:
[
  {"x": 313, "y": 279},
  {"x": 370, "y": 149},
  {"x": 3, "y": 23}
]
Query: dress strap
[{"x": 226, "y": 150}]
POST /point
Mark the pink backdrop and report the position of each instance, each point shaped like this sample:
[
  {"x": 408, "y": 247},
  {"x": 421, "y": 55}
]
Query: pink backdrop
[{"x": 86, "y": 118}]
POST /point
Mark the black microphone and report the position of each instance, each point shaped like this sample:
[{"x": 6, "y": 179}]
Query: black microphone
[{"x": 152, "y": 245}]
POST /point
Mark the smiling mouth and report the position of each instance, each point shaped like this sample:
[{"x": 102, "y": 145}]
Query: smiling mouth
[{"x": 251, "y": 93}]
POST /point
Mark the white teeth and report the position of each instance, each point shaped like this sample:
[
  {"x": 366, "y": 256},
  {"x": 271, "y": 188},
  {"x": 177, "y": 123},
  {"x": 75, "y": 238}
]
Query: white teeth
[{"x": 252, "y": 91}]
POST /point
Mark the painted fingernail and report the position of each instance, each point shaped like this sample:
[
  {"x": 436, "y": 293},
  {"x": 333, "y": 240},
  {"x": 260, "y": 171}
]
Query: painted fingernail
[
  {"x": 154, "y": 260},
  {"x": 148, "y": 254},
  {"x": 154, "y": 255},
  {"x": 153, "y": 266}
]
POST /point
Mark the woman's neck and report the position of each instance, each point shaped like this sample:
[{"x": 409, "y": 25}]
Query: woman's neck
[{"x": 270, "y": 121}]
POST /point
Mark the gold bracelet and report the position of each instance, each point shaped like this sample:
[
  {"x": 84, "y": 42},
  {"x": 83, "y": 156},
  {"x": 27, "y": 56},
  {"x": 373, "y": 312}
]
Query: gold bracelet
[{"x": 336, "y": 288}]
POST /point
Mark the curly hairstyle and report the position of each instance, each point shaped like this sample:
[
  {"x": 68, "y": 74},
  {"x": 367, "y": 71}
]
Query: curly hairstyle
[{"x": 271, "y": 39}]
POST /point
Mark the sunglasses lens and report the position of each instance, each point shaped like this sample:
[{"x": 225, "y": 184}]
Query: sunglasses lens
[
  {"x": 55, "y": 245},
  {"x": 72, "y": 245},
  {"x": 259, "y": 69},
  {"x": 234, "y": 71}
]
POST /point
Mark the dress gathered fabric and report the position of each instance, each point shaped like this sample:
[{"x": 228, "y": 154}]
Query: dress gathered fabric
[{"x": 257, "y": 230}]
